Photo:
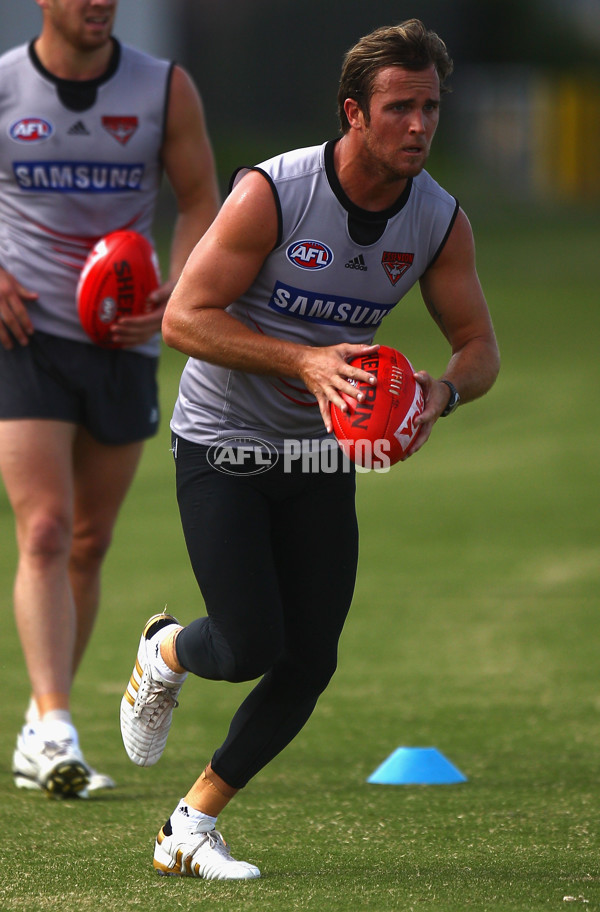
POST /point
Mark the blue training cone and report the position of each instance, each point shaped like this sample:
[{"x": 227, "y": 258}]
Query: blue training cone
[{"x": 416, "y": 766}]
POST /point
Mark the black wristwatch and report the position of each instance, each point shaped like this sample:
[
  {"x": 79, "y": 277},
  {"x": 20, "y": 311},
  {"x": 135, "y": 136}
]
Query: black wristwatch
[{"x": 453, "y": 401}]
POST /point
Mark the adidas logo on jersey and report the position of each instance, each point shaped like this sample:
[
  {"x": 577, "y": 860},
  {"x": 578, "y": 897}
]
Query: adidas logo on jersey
[
  {"x": 357, "y": 262},
  {"x": 78, "y": 129}
]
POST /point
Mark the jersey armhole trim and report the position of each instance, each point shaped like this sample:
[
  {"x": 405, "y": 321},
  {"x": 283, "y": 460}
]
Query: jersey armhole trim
[
  {"x": 169, "y": 80},
  {"x": 244, "y": 169},
  {"x": 163, "y": 132},
  {"x": 446, "y": 235}
]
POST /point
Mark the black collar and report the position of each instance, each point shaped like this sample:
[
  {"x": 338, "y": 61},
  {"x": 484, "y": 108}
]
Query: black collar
[
  {"x": 78, "y": 94},
  {"x": 364, "y": 226},
  {"x": 365, "y": 215}
]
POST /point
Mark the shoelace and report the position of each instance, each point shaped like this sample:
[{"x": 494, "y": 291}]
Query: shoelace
[
  {"x": 218, "y": 843},
  {"x": 155, "y": 696},
  {"x": 215, "y": 841}
]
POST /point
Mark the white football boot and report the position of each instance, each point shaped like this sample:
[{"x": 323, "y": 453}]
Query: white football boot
[
  {"x": 47, "y": 758},
  {"x": 149, "y": 700},
  {"x": 24, "y": 771},
  {"x": 190, "y": 851},
  {"x": 100, "y": 782},
  {"x": 25, "y": 775}
]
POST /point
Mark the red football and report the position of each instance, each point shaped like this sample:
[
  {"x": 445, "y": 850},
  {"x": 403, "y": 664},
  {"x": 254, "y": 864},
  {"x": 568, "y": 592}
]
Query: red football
[
  {"x": 377, "y": 432},
  {"x": 120, "y": 272}
]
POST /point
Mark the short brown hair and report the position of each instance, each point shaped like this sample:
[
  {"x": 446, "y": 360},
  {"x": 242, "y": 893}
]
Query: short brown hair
[{"x": 408, "y": 45}]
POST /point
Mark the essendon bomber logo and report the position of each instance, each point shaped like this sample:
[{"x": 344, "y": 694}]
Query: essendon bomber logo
[
  {"x": 396, "y": 264},
  {"x": 121, "y": 128},
  {"x": 310, "y": 254}
]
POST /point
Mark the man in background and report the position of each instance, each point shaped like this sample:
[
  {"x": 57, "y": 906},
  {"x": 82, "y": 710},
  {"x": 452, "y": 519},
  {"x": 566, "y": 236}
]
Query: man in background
[{"x": 75, "y": 104}]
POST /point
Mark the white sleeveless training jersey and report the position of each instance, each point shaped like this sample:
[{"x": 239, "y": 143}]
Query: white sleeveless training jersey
[
  {"x": 335, "y": 274},
  {"x": 74, "y": 167}
]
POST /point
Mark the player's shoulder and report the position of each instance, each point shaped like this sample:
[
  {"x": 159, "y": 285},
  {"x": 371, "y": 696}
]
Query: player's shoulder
[
  {"x": 14, "y": 57},
  {"x": 426, "y": 186},
  {"x": 281, "y": 175},
  {"x": 294, "y": 164},
  {"x": 134, "y": 58}
]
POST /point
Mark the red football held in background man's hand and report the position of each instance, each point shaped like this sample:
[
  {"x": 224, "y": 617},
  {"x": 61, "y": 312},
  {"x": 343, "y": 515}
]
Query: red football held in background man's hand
[
  {"x": 117, "y": 277},
  {"x": 377, "y": 432}
]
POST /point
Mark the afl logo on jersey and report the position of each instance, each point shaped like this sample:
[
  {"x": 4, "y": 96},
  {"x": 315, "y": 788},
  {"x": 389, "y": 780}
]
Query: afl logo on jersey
[
  {"x": 310, "y": 254},
  {"x": 30, "y": 130}
]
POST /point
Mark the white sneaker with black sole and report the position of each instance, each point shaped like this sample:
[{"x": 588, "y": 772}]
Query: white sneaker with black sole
[
  {"x": 149, "y": 700},
  {"x": 24, "y": 773},
  {"x": 197, "y": 853},
  {"x": 24, "y": 776},
  {"x": 47, "y": 758}
]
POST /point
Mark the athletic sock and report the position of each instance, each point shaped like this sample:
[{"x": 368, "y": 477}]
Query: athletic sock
[
  {"x": 159, "y": 665},
  {"x": 186, "y": 818},
  {"x": 32, "y": 714},
  {"x": 57, "y": 715}
]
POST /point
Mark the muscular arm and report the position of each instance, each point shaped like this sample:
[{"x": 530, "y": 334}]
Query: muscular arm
[
  {"x": 454, "y": 297},
  {"x": 189, "y": 166},
  {"x": 223, "y": 265}
]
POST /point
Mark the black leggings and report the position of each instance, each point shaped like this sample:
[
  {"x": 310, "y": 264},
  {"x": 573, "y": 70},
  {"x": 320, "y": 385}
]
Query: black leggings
[{"x": 275, "y": 557}]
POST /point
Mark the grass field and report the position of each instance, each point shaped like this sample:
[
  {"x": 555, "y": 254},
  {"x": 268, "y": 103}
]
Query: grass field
[{"x": 474, "y": 630}]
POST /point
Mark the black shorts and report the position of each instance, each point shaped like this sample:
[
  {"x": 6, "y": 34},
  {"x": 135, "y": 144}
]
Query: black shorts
[
  {"x": 110, "y": 392},
  {"x": 272, "y": 552}
]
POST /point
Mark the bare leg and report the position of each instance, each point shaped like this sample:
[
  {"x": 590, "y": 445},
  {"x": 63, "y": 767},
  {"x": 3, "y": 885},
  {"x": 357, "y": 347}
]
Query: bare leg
[
  {"x": 35, "y": 460},
  {"x": 65, "y": 490},
  {"x": 103, "y": 475}
]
